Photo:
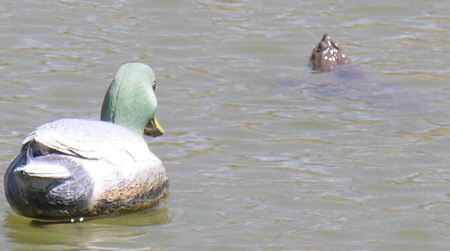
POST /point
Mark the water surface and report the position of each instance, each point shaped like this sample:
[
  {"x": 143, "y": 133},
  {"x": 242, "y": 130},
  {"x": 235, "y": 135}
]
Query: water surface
[{"x": 262, "y": 154}]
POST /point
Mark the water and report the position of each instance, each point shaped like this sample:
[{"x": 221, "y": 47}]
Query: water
[{"x": 262, "y": 154}]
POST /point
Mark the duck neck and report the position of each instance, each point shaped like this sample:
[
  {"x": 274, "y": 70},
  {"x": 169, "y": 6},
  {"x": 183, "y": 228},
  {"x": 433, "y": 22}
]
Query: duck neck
[{"x": 131, "y": 108}]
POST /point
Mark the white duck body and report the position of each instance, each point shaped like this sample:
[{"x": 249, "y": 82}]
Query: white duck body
[{"x": 75, "y": 168}]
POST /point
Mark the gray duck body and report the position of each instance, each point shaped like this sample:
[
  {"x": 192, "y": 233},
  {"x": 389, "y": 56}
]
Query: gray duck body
[{"x": 73, "y": 168}]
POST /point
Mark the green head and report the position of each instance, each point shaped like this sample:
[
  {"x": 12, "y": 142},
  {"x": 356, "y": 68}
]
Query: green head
[{"x": 131, "y": 101}]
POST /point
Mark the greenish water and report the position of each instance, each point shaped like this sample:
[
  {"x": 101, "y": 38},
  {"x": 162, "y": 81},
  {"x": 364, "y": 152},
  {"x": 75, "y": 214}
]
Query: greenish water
[{"x": 262, "y": 154}]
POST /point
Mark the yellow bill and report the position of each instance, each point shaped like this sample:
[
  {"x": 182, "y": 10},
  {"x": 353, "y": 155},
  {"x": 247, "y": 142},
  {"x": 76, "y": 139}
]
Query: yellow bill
[{"x": 153, "y": 128}]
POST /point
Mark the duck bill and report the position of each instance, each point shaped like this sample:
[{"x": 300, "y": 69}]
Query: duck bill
[{"x": 153, "y": 128}]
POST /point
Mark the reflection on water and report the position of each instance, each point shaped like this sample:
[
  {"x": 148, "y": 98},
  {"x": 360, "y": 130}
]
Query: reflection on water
[
  {"x": 262, "y": 154},
  {"x": 96, "y": 234}
]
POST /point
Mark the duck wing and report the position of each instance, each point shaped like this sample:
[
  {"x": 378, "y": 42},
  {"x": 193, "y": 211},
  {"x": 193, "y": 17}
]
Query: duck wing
[{"x": 90, "y": 139}]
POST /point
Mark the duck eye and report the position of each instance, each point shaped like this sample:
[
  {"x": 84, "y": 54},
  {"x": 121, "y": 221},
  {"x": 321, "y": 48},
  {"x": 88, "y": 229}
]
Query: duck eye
[{"x": 154, "y": 85}]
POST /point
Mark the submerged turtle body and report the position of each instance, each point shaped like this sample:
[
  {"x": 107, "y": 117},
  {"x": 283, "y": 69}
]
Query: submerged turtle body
[{"x": 352, "y": 82}]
